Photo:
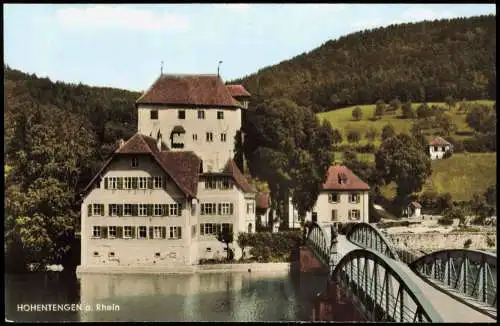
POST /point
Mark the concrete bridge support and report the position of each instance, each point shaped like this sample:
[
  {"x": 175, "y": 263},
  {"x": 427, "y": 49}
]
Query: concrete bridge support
[{"x": 330, "y": 305}]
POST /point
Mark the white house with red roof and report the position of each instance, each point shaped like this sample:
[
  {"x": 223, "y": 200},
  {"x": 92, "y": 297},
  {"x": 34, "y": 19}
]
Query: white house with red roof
[
  {"x": 438, "y": 147},
  {"x": 162, "y": 196},
  {"x": 343, "y": 198}
]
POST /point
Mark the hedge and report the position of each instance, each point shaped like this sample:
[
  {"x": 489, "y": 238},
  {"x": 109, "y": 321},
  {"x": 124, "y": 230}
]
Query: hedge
[{"x": 266, "y": 246}]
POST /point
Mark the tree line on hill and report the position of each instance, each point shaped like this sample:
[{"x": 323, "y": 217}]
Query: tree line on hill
[
  {"x": 425, "y": 61},
  {"x": 56, "y": 137}
]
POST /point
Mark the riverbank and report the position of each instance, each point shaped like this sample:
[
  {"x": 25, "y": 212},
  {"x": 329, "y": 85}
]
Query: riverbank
[{"x": 208, "y": 268}]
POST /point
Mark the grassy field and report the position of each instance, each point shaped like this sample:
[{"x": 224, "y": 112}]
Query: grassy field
[
  {"x": 342, "y": 119},
  {"x": 462, "y": 175},
  {"x": 363, "y": 157}
]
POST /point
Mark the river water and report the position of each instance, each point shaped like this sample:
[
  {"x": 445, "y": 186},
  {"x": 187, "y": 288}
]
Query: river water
[{"x": 229, "y": 296}]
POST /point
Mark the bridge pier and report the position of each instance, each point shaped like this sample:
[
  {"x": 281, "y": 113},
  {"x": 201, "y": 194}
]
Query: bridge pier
[
  {"x": 333, "y": 306},
  {"x": 309, "y": 262}
]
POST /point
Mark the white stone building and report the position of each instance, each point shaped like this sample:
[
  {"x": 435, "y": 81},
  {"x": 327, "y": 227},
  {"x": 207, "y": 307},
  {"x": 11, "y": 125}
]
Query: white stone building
[
  {"x": 438, "y": 147},
  {"x": 160, "y": 202},
  {"x": 343, "y": 198}
]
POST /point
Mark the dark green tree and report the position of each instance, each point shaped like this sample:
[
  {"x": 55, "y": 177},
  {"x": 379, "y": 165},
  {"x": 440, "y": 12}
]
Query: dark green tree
[
  {"x": 407, "y": 111},
  {"x": 395, "y": 104},
  {"x": 226, "y": 237},
  {"x": 424, "y": 111},
  {"x": 371, "y": 134},
  {"x": 400, "y": 159},
  {"x": 482, "y": 119},
  {"x": 387, "y": 132},
  {"x": 380, "y": 108},
  {"x": 357, "y": 114},
  {"x": 353, "y": 136},
  {"x": 337, "y": 137},
  {"x": 450, "y": 101}
]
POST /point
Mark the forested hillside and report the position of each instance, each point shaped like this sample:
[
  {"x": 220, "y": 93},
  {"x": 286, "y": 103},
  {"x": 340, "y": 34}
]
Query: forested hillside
[
  {"x": 424, "y": 61},
  {"x": 56, "y": 136}
]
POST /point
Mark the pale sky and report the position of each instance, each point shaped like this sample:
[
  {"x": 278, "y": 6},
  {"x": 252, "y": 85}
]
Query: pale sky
[{"x": 122, "y": 45}]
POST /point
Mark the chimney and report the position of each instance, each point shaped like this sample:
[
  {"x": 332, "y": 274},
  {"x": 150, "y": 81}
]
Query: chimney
[
  {"x": 158, "y": 140},
  {"x": 121, "y": 142}
]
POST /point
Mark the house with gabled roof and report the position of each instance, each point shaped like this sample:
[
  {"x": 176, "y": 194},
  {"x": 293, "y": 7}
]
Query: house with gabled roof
[
  {"x": 438, "y": 147},
  {"x": 343, "y": 198},
  {"x": 160, "y": 201}
]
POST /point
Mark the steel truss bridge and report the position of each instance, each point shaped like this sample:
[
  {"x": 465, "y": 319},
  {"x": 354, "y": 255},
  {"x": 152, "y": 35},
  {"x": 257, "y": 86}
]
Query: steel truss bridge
[{"x": 387, "y": 283}]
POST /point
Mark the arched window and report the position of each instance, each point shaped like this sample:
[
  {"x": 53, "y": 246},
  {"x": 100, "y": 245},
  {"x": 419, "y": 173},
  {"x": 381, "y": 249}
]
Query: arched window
[{"x": 249, "y": 227}]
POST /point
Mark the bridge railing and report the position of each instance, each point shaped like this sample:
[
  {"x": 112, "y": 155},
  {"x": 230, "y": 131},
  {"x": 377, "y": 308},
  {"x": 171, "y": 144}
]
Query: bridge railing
[
  {"x": 368, "y": 236},
  {"x": 472, "y": 273},
  {"x": 381, "y": 289}
]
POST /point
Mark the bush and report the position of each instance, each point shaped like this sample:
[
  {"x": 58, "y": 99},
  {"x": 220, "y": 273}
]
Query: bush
[
  {"x": 424, "y": 111},
  {"x": 353, "y": 136},
  {"x": 445, "y": 221},
  {"x": 481, "y": 143},
  {"x": 455, "y": 213},
  {"x": 357, "y": 114},
  {"x": 380, "y": 108},
  {"x": 371, "y": 134},
  {"x": 387, "y": 132},
  {"x": 407, "y": 111},
  {"x": 467, "y": 243},
  {"x": 447, "y": 154},
  {"x": 268, "y": 246},
  {"x": 458, "y": 146},
  {"x": 368, "y": 148},
  {"x": 490, "y": 242},
  {"x": 345, "y": 228}
]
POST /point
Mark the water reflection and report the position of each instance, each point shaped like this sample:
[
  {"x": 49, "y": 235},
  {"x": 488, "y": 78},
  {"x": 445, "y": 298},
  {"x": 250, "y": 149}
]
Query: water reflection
[{"x": 256, "y": 296}]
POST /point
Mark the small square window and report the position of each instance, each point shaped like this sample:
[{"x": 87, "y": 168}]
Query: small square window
[
  {"x": 134, "y": 162},
  {"x": 181, "y": 114},
  {"x": 201, "y": 114},
  {"x": 157, "y": 254},
  {"x": 153, "y": 114},
  {"x": 96, "y": 254},
  {"x": 333, "y": 198},
  {"x": 220, "y": 115},
  {"x": 209, "y": 249},
  {"x": 111, "y": 254}
]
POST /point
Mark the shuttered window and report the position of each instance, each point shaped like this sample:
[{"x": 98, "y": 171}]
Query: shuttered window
[
  {"x": 128, "y": 232},
  {"x": 141, "y": 233},
  {"x": 96, "y": 232}
]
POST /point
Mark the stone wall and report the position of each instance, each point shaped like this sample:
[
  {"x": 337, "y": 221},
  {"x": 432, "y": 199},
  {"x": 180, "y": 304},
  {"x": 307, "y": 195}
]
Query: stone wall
[{"x": 438, "y": 241}]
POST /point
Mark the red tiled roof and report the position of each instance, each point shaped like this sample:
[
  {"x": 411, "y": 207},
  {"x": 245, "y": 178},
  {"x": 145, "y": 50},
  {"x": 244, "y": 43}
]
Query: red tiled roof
[
  {"x": 415, "y": 204},
  {"x": 239, "y": 178},
  {"x": 349, "y": 181},
  {"x": 182, "y": 167},
  {"x": 238, "y": 91},
  {"x": 262, "y": 200},
  {"x": 439, "y": 141},
  {"x": 203, "y": 90},
  {"x": 139, "y": 144}
]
